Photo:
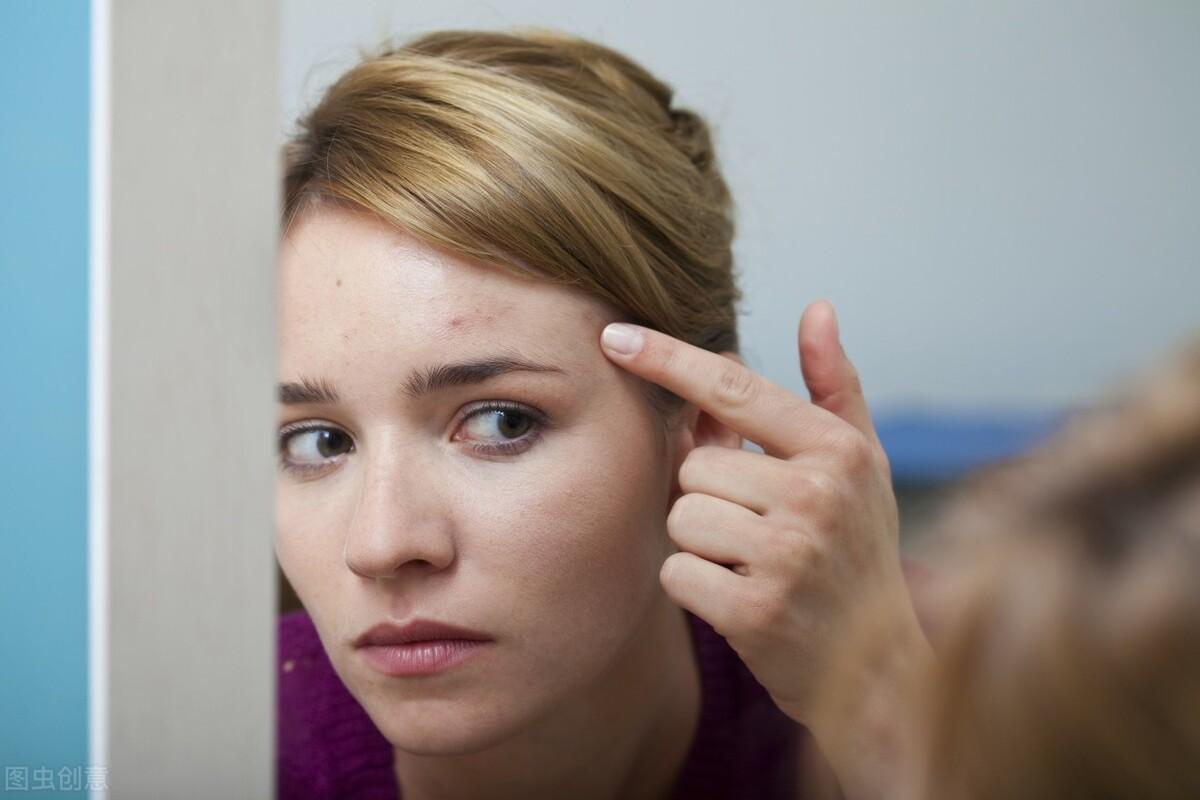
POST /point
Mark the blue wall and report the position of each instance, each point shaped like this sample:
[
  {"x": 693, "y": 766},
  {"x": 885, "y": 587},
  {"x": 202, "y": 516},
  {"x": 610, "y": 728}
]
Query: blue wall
[
  {"x": 927, "y": 448},
  {"x": 44, "y": 67}
]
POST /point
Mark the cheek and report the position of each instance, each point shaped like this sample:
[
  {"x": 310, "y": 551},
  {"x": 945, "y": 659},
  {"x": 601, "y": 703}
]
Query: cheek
[
  {"x": 307, "y": 554},
  {"x": 582, "y": 534}
]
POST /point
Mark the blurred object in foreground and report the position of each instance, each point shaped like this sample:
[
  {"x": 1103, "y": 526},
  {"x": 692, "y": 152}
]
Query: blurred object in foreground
[
  {"x": 930, "y": 450},
  {"x": 1063, "y": 600}
]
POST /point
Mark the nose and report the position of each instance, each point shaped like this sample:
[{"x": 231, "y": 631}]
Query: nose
[{"x": 400, "y": 522}]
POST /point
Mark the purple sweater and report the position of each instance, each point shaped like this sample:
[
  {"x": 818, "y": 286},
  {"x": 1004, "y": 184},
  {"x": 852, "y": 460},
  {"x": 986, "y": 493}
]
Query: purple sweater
[{"x": 328, "y": 748}]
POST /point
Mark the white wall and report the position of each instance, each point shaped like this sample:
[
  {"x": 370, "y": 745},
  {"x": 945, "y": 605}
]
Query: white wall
[{"x": 1002, "y": 199}]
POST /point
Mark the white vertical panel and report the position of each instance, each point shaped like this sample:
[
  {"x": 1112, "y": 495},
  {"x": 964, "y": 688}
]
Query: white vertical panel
[
  {"x": 99, "y": 272},
  {"x": 191, "y": 592}
]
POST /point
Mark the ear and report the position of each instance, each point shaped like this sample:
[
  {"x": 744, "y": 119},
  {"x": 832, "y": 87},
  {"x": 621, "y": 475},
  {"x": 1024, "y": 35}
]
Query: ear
[{"x": 699, "y": 428}]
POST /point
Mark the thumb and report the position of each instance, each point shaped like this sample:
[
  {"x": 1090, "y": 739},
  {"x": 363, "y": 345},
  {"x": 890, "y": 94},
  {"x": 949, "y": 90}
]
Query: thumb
[{"x": 831, "y": 379}]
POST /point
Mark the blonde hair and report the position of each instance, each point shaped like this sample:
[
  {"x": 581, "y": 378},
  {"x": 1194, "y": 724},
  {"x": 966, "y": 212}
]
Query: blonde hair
[
  {"x": 537, "y": 152},
  {"x": 1065, "y": 611}
]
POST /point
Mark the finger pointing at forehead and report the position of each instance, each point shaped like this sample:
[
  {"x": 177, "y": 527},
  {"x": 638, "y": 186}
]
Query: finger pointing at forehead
[{"x": 780, "y": 422}]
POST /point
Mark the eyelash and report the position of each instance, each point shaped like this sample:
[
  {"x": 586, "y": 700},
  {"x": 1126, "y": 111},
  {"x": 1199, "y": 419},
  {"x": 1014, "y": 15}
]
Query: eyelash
[{"x": 507, "y": 448}]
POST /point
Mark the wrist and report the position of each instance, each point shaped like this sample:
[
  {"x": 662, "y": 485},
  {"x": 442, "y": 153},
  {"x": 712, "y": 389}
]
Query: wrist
[{"x": 861, "y": 718}]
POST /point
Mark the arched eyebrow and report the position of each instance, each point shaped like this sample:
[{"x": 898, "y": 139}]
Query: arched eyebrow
[{"x": 420, "y": 382}]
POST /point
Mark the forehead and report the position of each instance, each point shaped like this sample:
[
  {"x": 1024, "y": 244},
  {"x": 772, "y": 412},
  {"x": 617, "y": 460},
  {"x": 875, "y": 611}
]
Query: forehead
[{"x": 349, "y": 280}]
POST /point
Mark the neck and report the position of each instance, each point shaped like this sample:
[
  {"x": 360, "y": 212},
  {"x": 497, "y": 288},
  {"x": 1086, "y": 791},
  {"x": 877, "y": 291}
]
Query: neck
[{"x": 628, "y": 738}]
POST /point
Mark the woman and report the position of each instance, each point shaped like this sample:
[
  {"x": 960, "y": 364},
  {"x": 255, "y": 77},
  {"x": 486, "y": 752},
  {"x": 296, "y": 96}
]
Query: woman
[
  {"x": 625, "y": 602},
  {"x": 1065, "y": 606}
]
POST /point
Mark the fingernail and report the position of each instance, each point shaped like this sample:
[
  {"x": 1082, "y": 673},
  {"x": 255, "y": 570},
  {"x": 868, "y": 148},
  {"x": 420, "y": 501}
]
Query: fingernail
[{"x": 622, "y": 338}]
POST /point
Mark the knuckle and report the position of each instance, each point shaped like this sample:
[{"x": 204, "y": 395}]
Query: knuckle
[
  {"x": 664, "y": 572},
  {"x": 809, "y": 490},
  {"x": 852, "y": 449},
  {"x": 668, "y": 359},
  {"x": 679, "y": 511},
  {"x": 667, "y": 575},
  {"x": 819, "y": 484},
  {"x": 703, "y": 466},
  {"x": 691, "y": 467},
  {"x": 840, "y": 437},
  {"x": 812, "y": 553},
  {"x": 735, "y": 387}
]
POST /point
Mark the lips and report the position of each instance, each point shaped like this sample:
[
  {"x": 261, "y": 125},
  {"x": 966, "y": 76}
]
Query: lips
[{"x": 418, "y": 630}]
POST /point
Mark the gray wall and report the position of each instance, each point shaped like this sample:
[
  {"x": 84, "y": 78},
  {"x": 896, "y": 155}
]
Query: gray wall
[
  {"x": 1002, "y": 199},
  {"x": 188, "y": 618}
]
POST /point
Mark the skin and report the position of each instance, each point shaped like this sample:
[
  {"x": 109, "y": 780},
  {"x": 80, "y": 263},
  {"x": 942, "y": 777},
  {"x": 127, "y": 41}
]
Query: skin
[
  {"x": 578, "y": 554},
  {"x": 590, "y": 687}
]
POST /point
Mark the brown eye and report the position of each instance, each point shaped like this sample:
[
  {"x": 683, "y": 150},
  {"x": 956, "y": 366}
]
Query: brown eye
[
  {"x": 502, "y": 428},
  {"x": 507, "y": 423},
  {"x": 310, "y": 447}
]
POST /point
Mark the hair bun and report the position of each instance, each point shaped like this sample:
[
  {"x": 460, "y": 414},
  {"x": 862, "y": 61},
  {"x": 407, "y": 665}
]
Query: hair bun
[{"x": 692, "y": 136}]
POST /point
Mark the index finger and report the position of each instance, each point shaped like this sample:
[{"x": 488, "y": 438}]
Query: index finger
[{"x": 780, "y": 422}]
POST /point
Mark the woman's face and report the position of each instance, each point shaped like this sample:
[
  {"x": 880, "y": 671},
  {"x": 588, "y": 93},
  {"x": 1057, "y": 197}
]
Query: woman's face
[{"x": 544, "y": 529}]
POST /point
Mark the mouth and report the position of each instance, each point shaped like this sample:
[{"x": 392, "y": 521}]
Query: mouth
[
  {"x": 420, "y": 647},
  {"x": 420, "y": 658}
]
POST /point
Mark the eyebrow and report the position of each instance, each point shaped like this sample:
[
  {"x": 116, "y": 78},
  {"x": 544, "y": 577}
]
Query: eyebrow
[{"x": 420, "y": 382}]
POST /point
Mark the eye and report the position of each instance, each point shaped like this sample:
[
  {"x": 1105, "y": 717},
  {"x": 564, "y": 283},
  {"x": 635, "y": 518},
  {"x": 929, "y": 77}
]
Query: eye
[
  {"x": 506, "y": 428},
  {"x": 308, "y": 448}
]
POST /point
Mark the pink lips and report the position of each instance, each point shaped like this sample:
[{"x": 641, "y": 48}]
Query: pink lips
[{"x": 421, "y": 647}]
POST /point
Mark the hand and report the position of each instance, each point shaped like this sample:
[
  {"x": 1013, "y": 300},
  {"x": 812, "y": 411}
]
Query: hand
[{"x": 808, "y": 526}]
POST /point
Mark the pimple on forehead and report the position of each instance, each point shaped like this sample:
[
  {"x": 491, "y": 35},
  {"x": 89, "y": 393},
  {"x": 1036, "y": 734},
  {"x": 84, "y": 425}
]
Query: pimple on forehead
[
  {"x": 459, "y": 324},
  {"x": 460, "y": 321}
]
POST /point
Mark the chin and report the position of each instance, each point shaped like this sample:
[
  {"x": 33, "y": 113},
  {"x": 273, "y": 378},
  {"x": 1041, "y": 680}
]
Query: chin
[{"x": 443, "y": 728}]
